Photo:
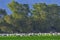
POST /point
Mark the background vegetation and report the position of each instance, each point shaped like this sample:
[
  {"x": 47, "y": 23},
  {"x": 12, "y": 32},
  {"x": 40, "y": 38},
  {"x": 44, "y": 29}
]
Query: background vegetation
[{"x": 42, "y": 18}]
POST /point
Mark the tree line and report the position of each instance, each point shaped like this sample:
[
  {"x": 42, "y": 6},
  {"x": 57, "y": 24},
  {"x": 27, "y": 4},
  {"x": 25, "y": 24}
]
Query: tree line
[{"x": 42, "y": 18}]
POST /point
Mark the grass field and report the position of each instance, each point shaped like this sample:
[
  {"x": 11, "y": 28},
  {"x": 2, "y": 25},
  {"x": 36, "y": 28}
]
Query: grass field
[{"x": 35, "y": 37}]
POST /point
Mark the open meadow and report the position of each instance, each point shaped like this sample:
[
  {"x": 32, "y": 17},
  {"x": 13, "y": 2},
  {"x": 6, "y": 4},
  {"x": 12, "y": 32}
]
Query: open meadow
[{"x": 31, "y": 37}]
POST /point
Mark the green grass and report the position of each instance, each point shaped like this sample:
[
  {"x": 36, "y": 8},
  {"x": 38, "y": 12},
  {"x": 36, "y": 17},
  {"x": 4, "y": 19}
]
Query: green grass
[{"x": 30, "y": 37}]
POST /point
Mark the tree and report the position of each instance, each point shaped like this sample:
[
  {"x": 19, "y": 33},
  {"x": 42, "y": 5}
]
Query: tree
[
  {"x": 2, "y": 14},
  {"x": 20, "y": 16},
  {"x": 19, "y": 10},
  {"x": 39, "y": 15}
]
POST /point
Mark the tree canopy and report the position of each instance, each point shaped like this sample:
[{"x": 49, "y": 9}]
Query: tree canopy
[{"x": 42, "y": 18}]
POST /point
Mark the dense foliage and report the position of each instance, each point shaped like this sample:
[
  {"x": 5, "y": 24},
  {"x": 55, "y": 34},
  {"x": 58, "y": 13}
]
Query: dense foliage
[{"x": 42, "y": 18}]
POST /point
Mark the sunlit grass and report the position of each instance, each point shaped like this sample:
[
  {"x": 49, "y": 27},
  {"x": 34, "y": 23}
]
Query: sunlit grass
[{"x": 32, "y": 37}]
